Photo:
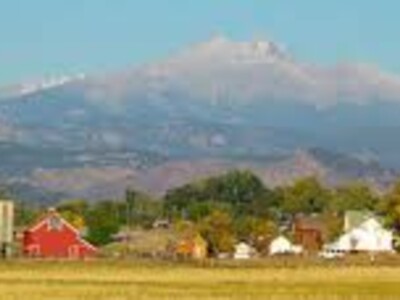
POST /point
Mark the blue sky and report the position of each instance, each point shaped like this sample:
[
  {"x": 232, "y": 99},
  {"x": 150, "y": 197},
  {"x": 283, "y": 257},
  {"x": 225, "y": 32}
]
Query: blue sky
[{"x": 51, "y": 37}]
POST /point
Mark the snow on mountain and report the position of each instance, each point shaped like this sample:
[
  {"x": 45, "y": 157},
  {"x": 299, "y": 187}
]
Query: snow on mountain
[
  {"x": 36, "y": 86},
  {"x": 222, "y": 50},
  {"x": 221, "y": 71},
  {"x": 224, "y": 72}
]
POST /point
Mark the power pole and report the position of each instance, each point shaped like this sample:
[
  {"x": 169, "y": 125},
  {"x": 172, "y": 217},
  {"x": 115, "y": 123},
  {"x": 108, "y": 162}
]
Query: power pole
[{"x": 130, "y": 198}]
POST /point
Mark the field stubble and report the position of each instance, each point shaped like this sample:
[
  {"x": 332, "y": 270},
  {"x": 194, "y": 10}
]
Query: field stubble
[{"x": 131, "y": 280}]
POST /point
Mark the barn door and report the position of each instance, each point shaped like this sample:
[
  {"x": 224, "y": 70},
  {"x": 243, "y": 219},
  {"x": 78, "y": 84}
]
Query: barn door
[
  {"x": 34, "y": 250},
  {"x": 73, "y": 251}
]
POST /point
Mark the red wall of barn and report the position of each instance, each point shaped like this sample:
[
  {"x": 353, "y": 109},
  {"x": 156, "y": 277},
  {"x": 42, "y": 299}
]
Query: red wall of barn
[{"x": 55, "y": 243}]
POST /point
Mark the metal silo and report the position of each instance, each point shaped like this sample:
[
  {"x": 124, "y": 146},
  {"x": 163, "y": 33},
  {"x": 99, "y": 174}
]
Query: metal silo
[{"x": 6, "y": 227}]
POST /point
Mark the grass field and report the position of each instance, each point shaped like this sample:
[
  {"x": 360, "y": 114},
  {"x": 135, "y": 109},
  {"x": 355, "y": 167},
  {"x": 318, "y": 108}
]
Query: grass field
[{"x": 129, "y": 280}]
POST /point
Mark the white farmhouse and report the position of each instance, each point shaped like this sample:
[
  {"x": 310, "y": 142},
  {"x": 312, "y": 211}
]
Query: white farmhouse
[
  {"x": 281, "y": 245},
  {"x": 368, "y": 236}
]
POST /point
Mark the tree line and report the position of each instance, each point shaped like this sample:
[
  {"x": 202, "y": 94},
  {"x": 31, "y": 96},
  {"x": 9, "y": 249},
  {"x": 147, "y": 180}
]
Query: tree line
[{"x": 234, "y": 206}]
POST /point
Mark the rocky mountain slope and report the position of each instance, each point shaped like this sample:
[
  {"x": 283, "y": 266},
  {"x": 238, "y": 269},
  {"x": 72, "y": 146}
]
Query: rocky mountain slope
[{"x": 216, "y": 105}]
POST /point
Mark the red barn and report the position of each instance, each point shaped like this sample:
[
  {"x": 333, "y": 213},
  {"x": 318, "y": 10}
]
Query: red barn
[{"x": 53, "y": 237}]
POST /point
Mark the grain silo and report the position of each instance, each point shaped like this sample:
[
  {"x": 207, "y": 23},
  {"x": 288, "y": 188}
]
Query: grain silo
[{"x": 6, "y": 227}]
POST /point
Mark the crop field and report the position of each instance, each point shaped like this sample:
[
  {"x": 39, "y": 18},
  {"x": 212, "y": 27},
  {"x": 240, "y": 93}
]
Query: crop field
[{"x": 129, "y": 280}]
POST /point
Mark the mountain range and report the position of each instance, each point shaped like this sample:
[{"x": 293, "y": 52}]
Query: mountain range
[{"x": 214, "y": 106}]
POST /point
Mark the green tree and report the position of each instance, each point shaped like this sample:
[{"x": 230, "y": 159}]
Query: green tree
[
  {"x": 242, "y": 190},
  {"x": 390, "y": 207},
  {"x": 354, "y": 196},
  {"x": 76, "y": 206},
  {"x": 140, "y": 209},
  {"x": 147, "y": 210},
  {"x": 217, "y": 229},
  {"x": 256, "y": 231},
  {"x": 236, "y": 187},
  {"x": 196, "y": 211},
  {"x": 103, "y": 220},
  {"x": 307, "y": 196},
  {"x": 266, "y": 204},
  {"x": 334, "y": 225},
  {"x": 130, "y": 204},
  {"x": 186, "y": 229},
  {"x": 25, "y": 214},
  {"x": 76, "y": 220},
  {"x": 177, "y": 201},
  {"x": 75, "y": 212}
]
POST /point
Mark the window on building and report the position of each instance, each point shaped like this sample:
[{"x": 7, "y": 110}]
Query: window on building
[{"x": 54, "y": 223}]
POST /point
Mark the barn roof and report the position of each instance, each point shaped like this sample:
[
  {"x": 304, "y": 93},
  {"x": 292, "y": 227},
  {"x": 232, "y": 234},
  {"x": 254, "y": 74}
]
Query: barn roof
[{"x": 312, "y": 222}]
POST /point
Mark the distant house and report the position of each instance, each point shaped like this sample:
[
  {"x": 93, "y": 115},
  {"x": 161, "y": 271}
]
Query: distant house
[
  {"x": 363, "y": 232},
  {"x": 53, "y": 237},
  {"x": 282, "y": 245},
  {"x": 309, "y": 233},
  {"x": 243, "y": 251}
]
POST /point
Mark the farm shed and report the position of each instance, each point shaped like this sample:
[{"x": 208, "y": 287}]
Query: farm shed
[
  {"x": 243, "y": 251},
  {"x": 282, "y": 245}
]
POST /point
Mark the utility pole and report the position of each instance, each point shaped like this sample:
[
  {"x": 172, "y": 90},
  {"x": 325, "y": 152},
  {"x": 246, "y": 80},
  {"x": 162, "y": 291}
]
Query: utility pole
[{"x": 130, "y": 198}]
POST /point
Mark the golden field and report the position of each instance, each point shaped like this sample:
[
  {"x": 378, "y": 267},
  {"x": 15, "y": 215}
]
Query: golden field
[{"x": 130, "y": 280}]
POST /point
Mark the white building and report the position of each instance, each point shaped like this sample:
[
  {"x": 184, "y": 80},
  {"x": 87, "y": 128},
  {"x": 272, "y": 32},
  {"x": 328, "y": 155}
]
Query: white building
[
  {"x": 243, "y": 251},
  {"x": 281, "y": 245},
  {"x": 369, "y": 236}
]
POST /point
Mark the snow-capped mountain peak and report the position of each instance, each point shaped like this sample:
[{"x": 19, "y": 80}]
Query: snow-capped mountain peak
[{"x": 222, "y": 49}]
